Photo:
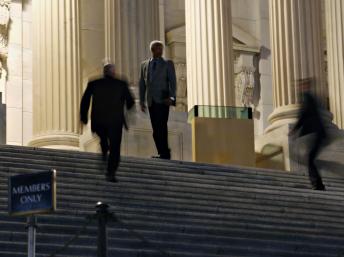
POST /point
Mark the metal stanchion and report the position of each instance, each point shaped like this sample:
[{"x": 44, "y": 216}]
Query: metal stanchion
[
  {"x": 31, "y": 227},
  {"x": 104, "y": 216},
  {"x": 102, "y": 213}
]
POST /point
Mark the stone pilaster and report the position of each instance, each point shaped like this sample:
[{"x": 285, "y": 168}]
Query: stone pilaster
[
  {"x": 209, "y": 46},
  {"x": 297, "y": 53},
  {"x": 110, "y": 29},
  {"x": 129, "y": 28},
  {"x": 335, "y": 56},
  {"x": 56, "y": 73},
  {"x": 175, "y": 40}
]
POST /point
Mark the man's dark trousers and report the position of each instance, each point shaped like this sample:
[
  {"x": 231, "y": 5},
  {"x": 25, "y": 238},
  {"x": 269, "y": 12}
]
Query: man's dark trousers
[
  {"x": 110, "y": 140},
  {"x": 313, "y": 172},
  {"x": 159, "y": 114}
]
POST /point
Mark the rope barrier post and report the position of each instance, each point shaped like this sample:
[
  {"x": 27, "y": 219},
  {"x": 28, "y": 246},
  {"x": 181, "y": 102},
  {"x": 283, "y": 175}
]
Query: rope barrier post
[
  {"x": 102, "y": 214},
  {"x": 31, "y": 227}
]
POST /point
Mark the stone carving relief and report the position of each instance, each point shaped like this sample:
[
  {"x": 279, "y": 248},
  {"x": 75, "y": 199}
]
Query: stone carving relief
[
  {"x": 182, "y": 101},
  {"x": 244, "y": 86},
  {"x": 4, "y": 31},
  {"x": 247, "y": 84}
]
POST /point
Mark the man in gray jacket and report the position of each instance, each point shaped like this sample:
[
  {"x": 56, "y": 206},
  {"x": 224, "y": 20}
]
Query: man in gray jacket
[{"x": 158, "y": 89}]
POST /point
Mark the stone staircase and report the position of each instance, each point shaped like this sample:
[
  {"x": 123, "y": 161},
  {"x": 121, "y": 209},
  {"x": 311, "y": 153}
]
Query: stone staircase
[{"x": 183, "y": 208}]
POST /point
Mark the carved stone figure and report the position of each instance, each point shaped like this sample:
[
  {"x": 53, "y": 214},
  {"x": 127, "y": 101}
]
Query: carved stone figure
[
  {"x": 4, "y": 29},
  {"x": 245, "y": 83},
  {"x": 181, "y": 87}
]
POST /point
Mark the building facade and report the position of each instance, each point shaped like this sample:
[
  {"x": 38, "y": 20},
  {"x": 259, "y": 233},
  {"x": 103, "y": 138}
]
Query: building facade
[{"x": 226, "y": 53}]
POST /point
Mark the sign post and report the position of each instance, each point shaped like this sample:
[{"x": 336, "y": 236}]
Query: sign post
[
  {"x": 31, "y": 226},
  {"x": 29, "y": 195}
]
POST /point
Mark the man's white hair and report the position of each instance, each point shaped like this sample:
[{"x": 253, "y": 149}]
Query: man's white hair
[
  {"x": 106, "y": 61},
  {"x": 154, "y": 43}
]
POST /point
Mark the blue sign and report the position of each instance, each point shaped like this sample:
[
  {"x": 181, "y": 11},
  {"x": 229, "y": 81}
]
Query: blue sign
[{"x": 30, "y": 194}]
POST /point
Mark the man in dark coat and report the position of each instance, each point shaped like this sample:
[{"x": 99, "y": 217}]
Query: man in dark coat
[
  {"x": 109, "y": 96},
  {"x": 158, "y": 89},
  {"x": 310, "y": 123}
]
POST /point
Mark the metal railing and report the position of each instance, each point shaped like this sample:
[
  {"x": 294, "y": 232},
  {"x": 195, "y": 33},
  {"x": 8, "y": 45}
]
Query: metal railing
[{"x": 103, "y": 217}]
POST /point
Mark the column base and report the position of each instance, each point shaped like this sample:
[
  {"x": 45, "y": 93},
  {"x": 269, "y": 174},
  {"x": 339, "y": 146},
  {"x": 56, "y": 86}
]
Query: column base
[
  {"x": 283, "y": 116},
  {"x": 65, "y": 141},
  {"x": 272, "y": 148},
  {"x": 275, "y": 149}
]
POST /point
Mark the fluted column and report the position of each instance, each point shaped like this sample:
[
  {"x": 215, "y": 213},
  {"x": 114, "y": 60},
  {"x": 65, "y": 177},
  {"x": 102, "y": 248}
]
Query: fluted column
[
  {"x": 110, "y": 29},
  {"x": 335, "y": 56},
  {"x": 297, "y": 53},
  {"x": 210, "y": 72},
  {"x": 56, "y": 73},
  {"x": 130, "y": 25}
]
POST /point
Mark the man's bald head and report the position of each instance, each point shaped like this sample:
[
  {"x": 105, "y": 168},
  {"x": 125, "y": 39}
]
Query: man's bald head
[{"x": 109, "y": 70}]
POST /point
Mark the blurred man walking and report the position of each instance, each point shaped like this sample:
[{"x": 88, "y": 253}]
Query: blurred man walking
[
  {"x": 109, "y": 96},
  {"x": 310, "y": 123}
]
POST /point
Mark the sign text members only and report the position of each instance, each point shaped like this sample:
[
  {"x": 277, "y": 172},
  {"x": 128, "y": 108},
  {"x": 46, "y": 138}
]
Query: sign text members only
[{"x": 32, "y": 193}]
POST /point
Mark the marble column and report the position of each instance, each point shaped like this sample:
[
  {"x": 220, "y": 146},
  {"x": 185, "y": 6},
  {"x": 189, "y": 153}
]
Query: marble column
[
  {"x": 209, "y": 45},
  {"x": 56, "y": 73},
  {"x": 335, "y": 57},
  {"x": 130, "y": 26},
  {"x": 297, "y": 53}
]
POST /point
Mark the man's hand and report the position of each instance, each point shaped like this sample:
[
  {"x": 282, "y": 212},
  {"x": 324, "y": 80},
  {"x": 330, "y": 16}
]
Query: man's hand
[
  {"x": 168, "y": 101},
  {"x": 143, "y": 107},
  {"x": 84, "y": 120}
]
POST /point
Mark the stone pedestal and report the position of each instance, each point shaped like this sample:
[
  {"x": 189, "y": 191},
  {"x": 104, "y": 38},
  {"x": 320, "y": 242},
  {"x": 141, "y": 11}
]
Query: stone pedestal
[
  {"x": 56, "y": 74},
  {"x": 223, "y": 141}
]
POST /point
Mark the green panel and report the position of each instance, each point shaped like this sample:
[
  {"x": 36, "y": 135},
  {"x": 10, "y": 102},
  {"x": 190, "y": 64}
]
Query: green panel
[{"x": 220, "y": 112}]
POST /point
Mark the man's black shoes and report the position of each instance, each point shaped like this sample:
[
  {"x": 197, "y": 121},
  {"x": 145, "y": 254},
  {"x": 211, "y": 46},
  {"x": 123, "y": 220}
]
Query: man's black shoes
[
  {"x": 162, "y": 157},
  {"x": 166, "y": 156},
  {"x": 319, "y": 187},
  {"x": 111, "y": 178}
]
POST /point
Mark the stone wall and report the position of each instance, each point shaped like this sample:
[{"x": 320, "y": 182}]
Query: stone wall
[{"x": 18, "y": 89}]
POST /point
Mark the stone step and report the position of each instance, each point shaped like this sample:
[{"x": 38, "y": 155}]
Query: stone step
[
  {"x": 241, "y": 225},
  {"x": 131, "y": 175},
  {"x": 81, "y": 157},
  {"x": 196, "y": 208},
  {"x": 262, "y": 176},
  {"x": 281, "y": 212},
  {"x": 228, "y": 251},
  {"x": 188, "y": 209},
  {"x": 323, "y": 213},
  {"x": 180, "y": 190},
  {"x": 189, "y": 231},
  {"x": 158, "y": 187},
  {"x": 89, "y": 167},
  {"x": 228, "y": 199},
  {"x": 205, "y": 242}
]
